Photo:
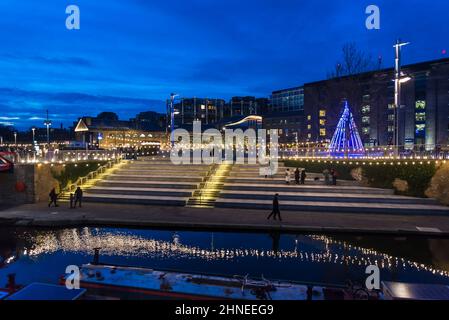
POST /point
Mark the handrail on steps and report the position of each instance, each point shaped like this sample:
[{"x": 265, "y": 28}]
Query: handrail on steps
[{"x": 91, "y": 175}]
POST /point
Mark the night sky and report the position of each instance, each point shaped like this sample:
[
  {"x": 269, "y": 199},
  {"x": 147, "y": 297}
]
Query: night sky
[{"x": 131, "y": 54}]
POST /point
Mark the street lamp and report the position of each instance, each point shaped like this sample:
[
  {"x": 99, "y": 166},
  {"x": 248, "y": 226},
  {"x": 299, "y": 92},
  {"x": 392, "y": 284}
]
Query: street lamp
[
  {"x": 47, "y": 123},
  {"x": 34, "y": 135},
  {"x": 172, "y": 118},
  {"x": 398, "y": 80}
]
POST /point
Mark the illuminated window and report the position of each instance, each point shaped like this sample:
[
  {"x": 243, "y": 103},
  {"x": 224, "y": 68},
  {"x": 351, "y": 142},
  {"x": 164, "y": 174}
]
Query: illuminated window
[
  {"x": 309, "y": 117},
  {"x": 322, "y": 122},
  {"x": 390, "y": 128},
  {"x": 322, "y": 113},
  {"x": 366, "y": 130},
  {"x": 203, "y": 107},
  {"x": 421, "y": 116},
  {"x": 366, "y": 120},
  {"x": 391, "y": 117},
  {"x": 322, "y": 132},
  {"x": 309, "y": 127},
  {"x": 420, "y": 105},
  {"x": 420, "y": 127},
  {"x": 366, "y": 109},
  {"x": 391, "y": 106},
  {"x": 309, "y": 136}
]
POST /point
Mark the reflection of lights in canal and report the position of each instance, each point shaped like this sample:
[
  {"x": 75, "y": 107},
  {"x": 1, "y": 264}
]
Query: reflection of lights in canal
[{"x": 127, "y": 245}]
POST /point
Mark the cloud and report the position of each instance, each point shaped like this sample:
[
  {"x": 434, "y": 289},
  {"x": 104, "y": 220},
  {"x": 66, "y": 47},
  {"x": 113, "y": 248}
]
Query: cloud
[{"x": 67, "y": 107}]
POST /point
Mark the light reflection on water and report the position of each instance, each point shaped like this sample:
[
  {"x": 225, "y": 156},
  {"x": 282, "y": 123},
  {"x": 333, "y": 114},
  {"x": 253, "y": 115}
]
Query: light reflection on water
[{"x": 43, "y": 255}]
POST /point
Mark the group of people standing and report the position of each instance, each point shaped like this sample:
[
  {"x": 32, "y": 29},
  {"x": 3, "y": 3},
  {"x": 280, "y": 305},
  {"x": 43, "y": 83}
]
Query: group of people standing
[
  {"x": 300, "y": 176},
  {"x": 330, "y": 177},
  {"x": 75, "y": 198}
]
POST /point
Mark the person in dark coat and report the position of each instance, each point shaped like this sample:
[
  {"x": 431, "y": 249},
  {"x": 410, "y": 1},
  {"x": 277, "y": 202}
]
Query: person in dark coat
[
  {"x": 276, "y": 211},
  {"x": 71, "y": 200},
  {"x": 297, "y": 175},
  {"x": 53, "y": 198},
  {"x": 78, "y": 196},
  {"x": 334, "y": 177},
  {"x": 303, "y": 176}
]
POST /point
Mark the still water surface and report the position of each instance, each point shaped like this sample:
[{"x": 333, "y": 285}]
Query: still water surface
[{"x": 42, "y": 255}]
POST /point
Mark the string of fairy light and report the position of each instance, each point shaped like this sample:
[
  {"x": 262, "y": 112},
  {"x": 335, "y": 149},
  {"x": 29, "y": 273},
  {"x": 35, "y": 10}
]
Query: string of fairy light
[{"x": 125, "y": 244}]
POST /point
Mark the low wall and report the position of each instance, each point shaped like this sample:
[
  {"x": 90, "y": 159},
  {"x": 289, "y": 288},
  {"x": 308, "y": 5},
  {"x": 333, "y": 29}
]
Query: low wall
[{"x": 27, "y": 184}]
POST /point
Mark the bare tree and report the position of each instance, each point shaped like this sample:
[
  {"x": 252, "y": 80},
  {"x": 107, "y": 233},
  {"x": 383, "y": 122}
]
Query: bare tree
[{"x": 354, "y": 61}]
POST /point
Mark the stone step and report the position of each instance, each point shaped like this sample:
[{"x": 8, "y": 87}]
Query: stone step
[
  {"x": 148, "y": 184},
  {"x": 184, "y": 178},
  {"x": 166, "y": 167},
  {"x": 325, "y": 197},
  {"x": 162, "y": 173},
  {"x": 142, "y": 191},
  {"x": 276, "y": 180},
  {"x": 343, "y": 207},
  {"x": 306, "y": 188},
  {"x": 135, "y": 199}
]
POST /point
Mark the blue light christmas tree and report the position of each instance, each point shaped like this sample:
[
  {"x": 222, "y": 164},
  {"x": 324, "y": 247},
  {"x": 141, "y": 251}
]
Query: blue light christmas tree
[{"x": 346, "y": 139}]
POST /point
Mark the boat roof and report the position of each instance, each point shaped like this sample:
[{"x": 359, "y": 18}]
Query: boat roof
[
  {"x": 3, "y": 294},
  {"x": 41, "y": 291},
  {"x": 413, "y": 291},
  {"x": 191, "y": 284}
]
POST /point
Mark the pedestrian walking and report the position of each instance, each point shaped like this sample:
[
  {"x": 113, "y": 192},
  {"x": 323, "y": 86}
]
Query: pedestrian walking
[
  {"x": 275, "y": 212},
  {"x": 53, "y": 198},
  {"x": 326, "y": 175},
  {"x": 71, "y": 200},
  {"x": 303, "y": 176},
  {"x": 78, "y": 196},
  {"x": 297, "y": 175},
  {"x": 287, "y": 176}
]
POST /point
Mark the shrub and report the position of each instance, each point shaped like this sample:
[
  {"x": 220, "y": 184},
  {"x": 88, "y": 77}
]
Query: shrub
[
  {"x": 72, "y": 172},
  {"x": 439, "y": 185},
  {"x": 417, "y": 176}
]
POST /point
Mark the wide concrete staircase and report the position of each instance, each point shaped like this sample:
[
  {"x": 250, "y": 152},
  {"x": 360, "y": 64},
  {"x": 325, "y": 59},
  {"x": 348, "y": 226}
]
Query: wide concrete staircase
[
  {"x": 156, "y": 181},
  {"x": 246, "y": 189},
  {"x": 150, "y": 181}
]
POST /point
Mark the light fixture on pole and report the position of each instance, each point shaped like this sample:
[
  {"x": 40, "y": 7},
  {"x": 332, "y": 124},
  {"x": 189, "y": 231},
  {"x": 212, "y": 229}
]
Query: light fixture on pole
[
  {"x": 398, "y": 80},
  {"x": 47, "y": 123},
  {"x": 172, "y": 118},
  {"x": 33, "y": 129},
  {"x": 34, "y": 134}
]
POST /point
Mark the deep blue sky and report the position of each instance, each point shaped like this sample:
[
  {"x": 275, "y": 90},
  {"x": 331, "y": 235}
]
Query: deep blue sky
[{"x": 130, "y": 54}]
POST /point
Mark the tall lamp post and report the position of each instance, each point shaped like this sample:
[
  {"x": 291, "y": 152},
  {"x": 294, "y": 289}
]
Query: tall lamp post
[
  {"x": 47, "y": 123},
  {"x": 172, "y": 119},
  {"x": 398, "y": 80},
  {"x": 33, "y": 144},
  {"x": 15, "y": 139}
]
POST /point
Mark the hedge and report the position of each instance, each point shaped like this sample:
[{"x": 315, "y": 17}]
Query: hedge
[
  {"x": 418, "y": 176},
  {"x": 73, "y": 172}
]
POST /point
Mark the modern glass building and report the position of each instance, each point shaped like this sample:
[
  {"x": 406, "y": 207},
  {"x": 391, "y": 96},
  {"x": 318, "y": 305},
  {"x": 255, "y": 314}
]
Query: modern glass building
[
  {"x": 288, "y": 100},
  {"x": 423, "y": 115}
]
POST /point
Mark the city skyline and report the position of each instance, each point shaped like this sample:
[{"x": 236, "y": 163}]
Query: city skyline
[{"x": 128, "y": 57}]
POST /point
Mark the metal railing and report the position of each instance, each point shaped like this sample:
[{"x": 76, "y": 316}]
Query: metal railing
[{"x": 90, "y": 176}]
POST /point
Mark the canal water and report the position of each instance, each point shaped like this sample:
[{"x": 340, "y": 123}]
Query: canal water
[{"x": 43, "y": 255}]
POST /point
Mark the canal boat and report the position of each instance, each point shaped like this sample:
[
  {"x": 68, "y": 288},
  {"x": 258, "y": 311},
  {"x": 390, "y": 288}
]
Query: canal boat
[
  {"x": 143, "y": 283},
  {"x": 46, "y": 292}
]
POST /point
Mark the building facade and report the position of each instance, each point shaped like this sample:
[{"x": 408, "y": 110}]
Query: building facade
[
  {"x": 423, "y": 115},
  {"x": 286, "y": 114},
  {"x": 287, "y": 100}
]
